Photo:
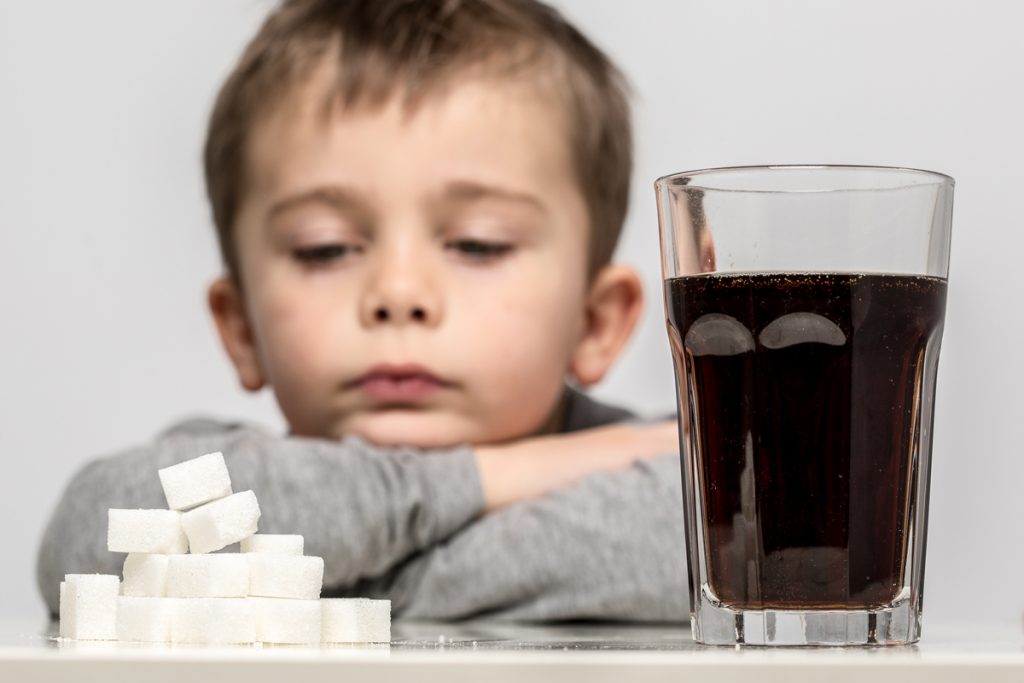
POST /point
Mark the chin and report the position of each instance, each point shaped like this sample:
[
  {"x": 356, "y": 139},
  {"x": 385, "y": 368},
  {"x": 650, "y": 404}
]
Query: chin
[{"x": 415, "y": 430}]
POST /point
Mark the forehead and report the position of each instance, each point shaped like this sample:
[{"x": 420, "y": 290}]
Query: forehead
[{"x": 496, "y": 131}]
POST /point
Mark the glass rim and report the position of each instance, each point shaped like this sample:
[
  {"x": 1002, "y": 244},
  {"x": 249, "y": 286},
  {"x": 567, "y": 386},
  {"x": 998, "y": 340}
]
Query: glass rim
[{"x": 674, "y": 179}]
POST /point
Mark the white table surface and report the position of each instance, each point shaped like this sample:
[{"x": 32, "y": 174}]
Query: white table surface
[{"x": 477, "y": 651}]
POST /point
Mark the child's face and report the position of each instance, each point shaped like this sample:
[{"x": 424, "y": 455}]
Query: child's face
[{"x": 414, "y": 277}]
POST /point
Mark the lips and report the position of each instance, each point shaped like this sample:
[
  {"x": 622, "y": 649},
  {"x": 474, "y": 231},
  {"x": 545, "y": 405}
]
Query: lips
[{"x": 399, "y": 384}]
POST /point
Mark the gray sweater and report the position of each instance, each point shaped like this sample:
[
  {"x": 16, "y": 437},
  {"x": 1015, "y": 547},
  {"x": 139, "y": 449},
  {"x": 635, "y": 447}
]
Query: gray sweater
[{"x": 408, "y": 525}]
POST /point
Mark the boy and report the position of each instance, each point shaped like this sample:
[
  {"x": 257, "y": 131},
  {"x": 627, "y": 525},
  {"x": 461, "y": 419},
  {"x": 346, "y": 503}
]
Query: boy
[{"x": 416, "y": 204}]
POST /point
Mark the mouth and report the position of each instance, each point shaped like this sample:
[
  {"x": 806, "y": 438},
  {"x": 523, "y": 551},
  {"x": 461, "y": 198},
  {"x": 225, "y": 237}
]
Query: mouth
[{"x": 399, "y": 384}]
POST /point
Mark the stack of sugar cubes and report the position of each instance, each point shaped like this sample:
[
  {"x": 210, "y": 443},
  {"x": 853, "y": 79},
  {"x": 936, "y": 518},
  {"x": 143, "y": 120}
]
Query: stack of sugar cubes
[{"x": 178, "y": 589}]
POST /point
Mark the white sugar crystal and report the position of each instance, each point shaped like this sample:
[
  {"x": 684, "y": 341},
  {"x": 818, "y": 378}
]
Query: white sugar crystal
[
  {"x": 355, "y": 620},
  {"x": 145, "y": 531},
  {"x": 213, "y": 621},
  {"x": 195, "y": 481},
  {"x": 88, "y": 606},
  {"x": 145, "y": 575},
  {"x": 144, "y": 620},
  {"x": 218, "y": 524},
  {"x": 287, "y": 621},
  {"x": 223, "y": 575},
  {"x": 273, "y": 544},
  {"x": 299, "y": 577}
]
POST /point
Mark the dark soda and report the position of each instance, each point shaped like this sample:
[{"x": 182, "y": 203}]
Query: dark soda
[{"x": 804, "y": 399}]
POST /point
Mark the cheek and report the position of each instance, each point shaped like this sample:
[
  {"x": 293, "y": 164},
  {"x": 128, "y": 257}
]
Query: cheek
[
  {"x": 523, "y": 333},
  {"x": 297, "y": 333}
]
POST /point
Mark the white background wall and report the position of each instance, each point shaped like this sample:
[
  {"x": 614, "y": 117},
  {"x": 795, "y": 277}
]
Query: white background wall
[{"x": 106, "y": 247}]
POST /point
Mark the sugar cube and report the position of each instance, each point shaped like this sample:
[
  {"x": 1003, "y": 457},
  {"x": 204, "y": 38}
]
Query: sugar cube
[
  {"x": 195, "y": 481},
  {"x": 145, "y": 575},
  {"x": 213, "y": 621},
  {"x": 144, "y": 620},
  {"x": 88, "y": 606},
  {"x": 145, "y": 531},
  {"x": 273, "y": 544},
  {"x": 287, "y": 621},
  {"x": 355, "y": 620},
  {"x": 299, "y": 577},
  {"x": 214, "y": 525},
  {"x": 224, "y": 575}
]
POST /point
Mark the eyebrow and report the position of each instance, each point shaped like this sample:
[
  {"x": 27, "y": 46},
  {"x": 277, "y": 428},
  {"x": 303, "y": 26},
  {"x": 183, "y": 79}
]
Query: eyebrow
[
  {"x": 471, "y": 191},
  {"x": 336, "y": 197},
  {"x": 342, "y": 198}
]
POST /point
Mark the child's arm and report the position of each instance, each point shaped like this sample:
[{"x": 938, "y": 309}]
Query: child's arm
[
  {"x": 362, "y": 508},
  {"x": 611, "y": 547},
  {"x": 533, "y": 467}
]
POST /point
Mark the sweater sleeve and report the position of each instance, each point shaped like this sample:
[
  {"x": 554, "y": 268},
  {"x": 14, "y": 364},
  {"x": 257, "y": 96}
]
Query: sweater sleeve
[
  {"x": 611, "y": 547},
  {"x": 360, "y": 507}
]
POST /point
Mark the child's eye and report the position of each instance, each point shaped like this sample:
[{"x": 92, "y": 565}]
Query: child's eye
[
  {"x": 478, "y": 249},
  {"x": 323, "y": 254}
]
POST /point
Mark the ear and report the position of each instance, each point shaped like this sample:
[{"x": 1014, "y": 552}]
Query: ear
[
  {"x": 613, "y": 306},
  {"x": 228, "y": 308}
]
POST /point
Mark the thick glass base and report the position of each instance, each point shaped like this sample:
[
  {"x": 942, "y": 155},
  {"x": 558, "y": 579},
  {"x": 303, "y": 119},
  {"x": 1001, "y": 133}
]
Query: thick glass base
[{"x": 716, "y": 624}]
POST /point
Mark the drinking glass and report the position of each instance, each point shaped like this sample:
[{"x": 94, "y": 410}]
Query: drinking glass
[{"x": 805, "y": 307}]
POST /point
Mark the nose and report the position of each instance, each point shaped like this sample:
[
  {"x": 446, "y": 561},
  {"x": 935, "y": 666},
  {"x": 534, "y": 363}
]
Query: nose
[{"x": 401, "y": 290}]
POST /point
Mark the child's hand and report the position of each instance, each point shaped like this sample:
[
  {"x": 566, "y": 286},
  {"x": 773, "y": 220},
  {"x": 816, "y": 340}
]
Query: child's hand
[{"x": 532, "y": 467}]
